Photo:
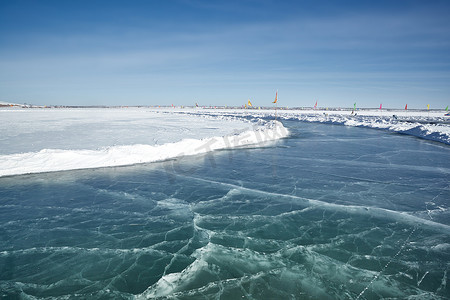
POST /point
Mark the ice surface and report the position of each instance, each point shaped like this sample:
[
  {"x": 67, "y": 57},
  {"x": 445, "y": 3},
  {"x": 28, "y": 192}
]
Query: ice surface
[{"x": 329, "y": 212}]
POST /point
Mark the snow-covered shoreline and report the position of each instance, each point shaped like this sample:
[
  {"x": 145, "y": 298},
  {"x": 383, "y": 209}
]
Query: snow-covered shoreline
[
  {"x": 36, "y": 141},
  {"x": 429, "y": 125},
  {"x": 46, "y": 140}
]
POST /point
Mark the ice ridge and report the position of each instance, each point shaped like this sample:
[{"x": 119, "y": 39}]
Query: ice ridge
[{"x": 51, "y": 160}]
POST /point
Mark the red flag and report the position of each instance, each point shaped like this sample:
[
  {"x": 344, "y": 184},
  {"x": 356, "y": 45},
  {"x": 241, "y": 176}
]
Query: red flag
[
  {"x": 381, "y": 105},
  {"x": 406, "y": 106},
  {"x": 276, "y": 97}
]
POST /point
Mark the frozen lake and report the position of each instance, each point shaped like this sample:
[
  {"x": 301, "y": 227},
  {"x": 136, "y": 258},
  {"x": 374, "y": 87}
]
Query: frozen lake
[{"x": 322, "y": 209}]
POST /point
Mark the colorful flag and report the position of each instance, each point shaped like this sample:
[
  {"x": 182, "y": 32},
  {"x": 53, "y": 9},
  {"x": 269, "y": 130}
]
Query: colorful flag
[
  {"x": 354, "y": 105},
  {"x": 249, "y": 103},
  {"x": 446, "y": 109},
  {"x": 406, "y": 106},
  {"x": 276, "y": 97},
  {"x": 315, "y": 105},
  {"x": 428, "y": 106},
  {"x": 381, "y": 105}
]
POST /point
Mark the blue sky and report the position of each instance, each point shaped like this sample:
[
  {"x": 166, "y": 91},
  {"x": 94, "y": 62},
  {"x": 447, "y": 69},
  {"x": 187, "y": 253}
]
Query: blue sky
[{"x": 225, "y": 52}]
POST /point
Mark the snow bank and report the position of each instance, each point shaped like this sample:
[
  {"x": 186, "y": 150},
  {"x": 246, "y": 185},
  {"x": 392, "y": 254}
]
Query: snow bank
[{"x": 49, "y": 160}]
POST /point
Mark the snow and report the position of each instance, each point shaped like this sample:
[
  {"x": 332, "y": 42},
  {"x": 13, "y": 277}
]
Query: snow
[
  {"x": 36, "y": 141},
  {"x": 431, "y": 125}
]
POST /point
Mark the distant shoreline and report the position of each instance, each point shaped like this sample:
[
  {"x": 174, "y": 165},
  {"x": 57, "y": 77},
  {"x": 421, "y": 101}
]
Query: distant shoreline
[{"x": 221, "y": 107}]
